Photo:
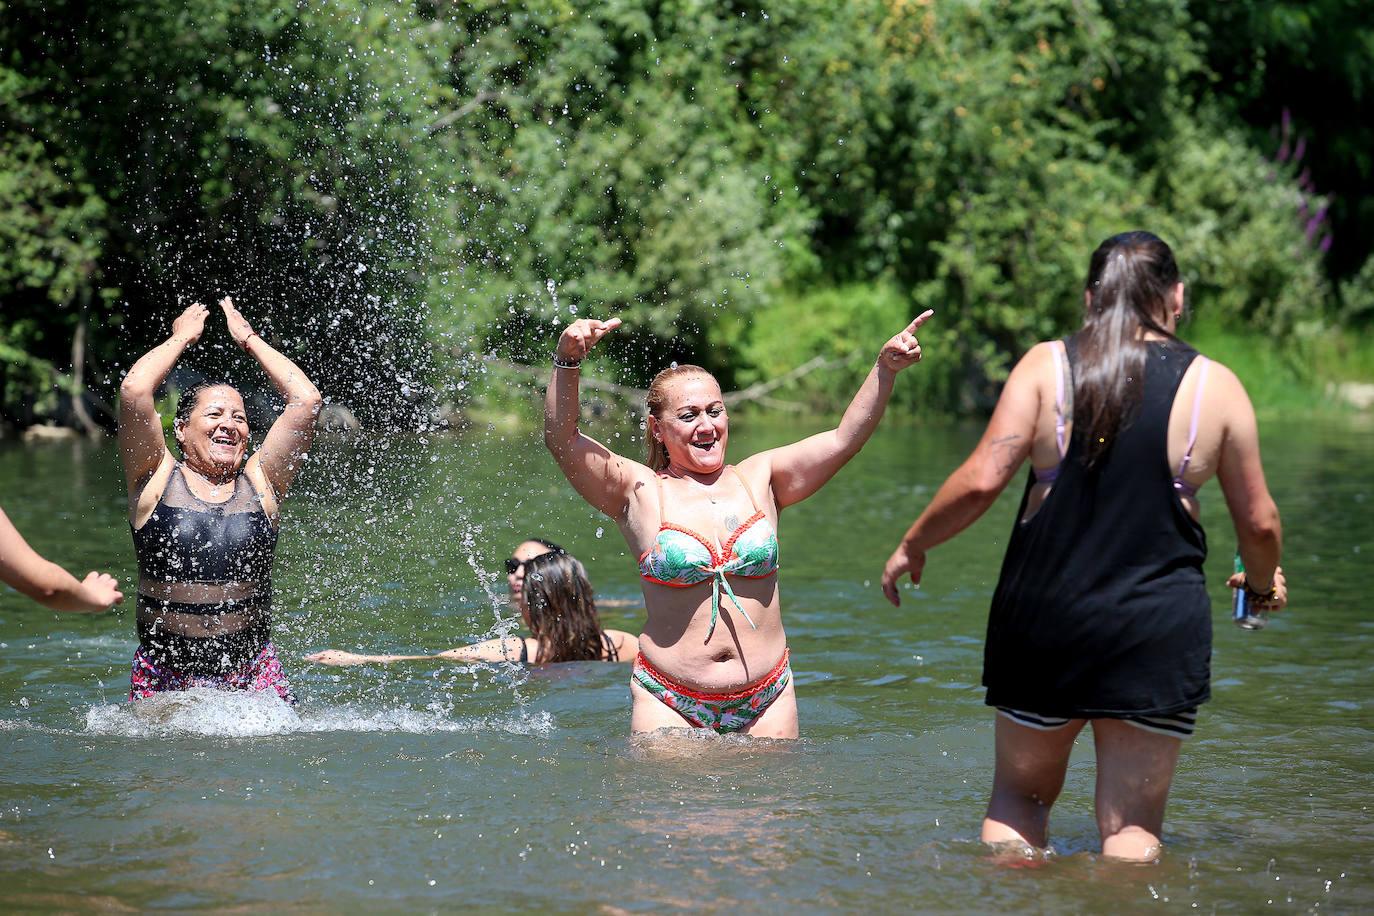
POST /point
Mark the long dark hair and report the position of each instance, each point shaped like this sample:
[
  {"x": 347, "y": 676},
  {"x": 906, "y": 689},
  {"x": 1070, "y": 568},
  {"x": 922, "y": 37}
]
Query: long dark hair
[
  {"x": 562, "y": 609},
  {"x": 1130, "y": 278},
  {"x": 657, "y": 402}
]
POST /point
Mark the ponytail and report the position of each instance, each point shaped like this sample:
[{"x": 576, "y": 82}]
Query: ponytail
[{"x": 1130, "y": 277}]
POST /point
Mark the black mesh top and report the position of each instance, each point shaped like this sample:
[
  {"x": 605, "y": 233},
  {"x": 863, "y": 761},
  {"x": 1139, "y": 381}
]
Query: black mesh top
[{"x": 205, "y": 578}]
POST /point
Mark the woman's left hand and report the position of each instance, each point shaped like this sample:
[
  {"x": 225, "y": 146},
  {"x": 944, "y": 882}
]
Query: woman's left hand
[
  {"x": 1278, "y": 601},
  {"x": 239, "y": 328},
  {"x": 904, "y": 349}
]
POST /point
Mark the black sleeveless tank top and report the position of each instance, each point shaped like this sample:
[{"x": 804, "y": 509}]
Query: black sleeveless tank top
[
  {"x": 205, "y": 579},
  {"x": 1101, "y": 609}
]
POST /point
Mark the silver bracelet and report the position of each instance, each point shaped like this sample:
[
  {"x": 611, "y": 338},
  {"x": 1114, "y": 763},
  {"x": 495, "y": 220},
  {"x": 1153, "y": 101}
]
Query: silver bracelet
[{"x": 562, "y": 365}]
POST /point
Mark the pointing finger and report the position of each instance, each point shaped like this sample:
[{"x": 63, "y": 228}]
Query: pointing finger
[{"x": 919, "y": 320}]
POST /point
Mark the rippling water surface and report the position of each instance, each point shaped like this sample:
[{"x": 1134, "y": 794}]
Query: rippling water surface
[{"x": 423, "y": 786}]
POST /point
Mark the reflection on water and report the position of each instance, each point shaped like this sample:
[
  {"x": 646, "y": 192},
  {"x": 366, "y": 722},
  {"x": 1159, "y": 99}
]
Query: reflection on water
[{"x": 429, "y": 786}]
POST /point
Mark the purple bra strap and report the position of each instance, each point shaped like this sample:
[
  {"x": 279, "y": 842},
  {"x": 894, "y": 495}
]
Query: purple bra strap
[
  {"x": 1058, "y": 398},
  {"x": 1179, "y": 483},
  {"x": 1048, "y": 475}
]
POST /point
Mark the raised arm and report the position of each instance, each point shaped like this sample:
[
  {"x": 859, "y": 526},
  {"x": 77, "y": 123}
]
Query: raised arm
[
  {"x": 46, "y": 582},
  {"x": 140, "y": 429},
  {"x": 800, "y": 469},
  {"x": 600, "y": 476},
  {"x": 973, "y": 487},
  {"x": 1259, "y": 535},
  {"x": 289, "y": 439}
]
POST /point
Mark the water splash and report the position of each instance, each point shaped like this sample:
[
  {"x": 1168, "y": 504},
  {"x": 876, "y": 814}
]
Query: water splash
[{"x": 223, "y": 714}]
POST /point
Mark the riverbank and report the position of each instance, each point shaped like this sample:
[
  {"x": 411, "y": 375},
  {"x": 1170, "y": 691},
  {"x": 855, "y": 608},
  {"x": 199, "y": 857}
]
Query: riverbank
[{"x": 1328, "y": 372}]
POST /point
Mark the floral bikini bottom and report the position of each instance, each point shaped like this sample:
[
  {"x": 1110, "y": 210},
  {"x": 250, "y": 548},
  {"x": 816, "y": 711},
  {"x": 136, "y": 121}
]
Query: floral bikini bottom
[
  {"x": 263, "y": 673},
  {"x": 723, "y": 712}
]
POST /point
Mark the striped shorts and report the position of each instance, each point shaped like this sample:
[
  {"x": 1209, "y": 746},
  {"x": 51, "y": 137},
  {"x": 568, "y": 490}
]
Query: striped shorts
[{"x": 1175, "y": 725}]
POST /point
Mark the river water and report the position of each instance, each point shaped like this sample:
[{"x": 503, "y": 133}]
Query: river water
[{"x": 428, "y": 787}]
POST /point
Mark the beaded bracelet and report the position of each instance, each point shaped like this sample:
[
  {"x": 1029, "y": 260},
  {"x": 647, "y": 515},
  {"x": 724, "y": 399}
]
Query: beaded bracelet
[
  {"x": 251, "y": 335},
  {"x": 565, "y": 365}
]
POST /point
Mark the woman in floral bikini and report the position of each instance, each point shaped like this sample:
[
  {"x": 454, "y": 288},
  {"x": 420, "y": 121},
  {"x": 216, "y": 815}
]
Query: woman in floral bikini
[{"x": 713, "y": 653}]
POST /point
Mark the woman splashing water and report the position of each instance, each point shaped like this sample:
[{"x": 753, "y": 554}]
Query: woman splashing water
[
  {"x": 1101, "y": 613},
  {"x": 713, "y": 653},
  {"x": 205, "y": 526}
]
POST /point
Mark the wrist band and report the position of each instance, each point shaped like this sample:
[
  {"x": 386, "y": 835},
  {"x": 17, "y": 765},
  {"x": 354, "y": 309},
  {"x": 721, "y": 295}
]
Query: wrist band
[
  {"x": 251, "y": 335},
  {"x": 1268, "y": 594},
  {"x": 565, "y": 365}
]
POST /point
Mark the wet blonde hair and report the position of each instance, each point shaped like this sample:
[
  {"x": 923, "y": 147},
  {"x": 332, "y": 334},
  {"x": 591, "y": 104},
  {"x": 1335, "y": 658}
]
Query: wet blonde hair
[{"x": 657, "y": 403}]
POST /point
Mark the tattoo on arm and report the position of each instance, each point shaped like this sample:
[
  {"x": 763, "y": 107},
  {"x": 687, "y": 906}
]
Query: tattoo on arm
[{"x": 1004, "y": 451}]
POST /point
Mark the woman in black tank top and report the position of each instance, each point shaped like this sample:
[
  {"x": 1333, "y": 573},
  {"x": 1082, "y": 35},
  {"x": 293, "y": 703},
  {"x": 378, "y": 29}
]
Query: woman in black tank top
[
  {"x": 558, "y": 607},
  {"x": 205, "y": 527},
  {"x": 1101, "y": 614}
]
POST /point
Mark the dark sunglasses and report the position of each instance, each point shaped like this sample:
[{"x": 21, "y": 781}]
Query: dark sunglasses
[{"x": 512, "y": 564}]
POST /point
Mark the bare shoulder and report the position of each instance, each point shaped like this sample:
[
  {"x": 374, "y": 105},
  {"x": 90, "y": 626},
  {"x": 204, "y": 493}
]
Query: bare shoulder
[
  {"x": 253, "y": 470},
  {"x": 757, "y": 473},
  {"x": 635, "y": 481},
  {"x": 626, "y": 644},
  {"x": 1037, "y": 362},
  {"x": 1223, "y": 389},
  {"x": 757, "y": 468},
  {"x": 1222, "y": 376},
  {"x": 144, "y": 496},
  {"x": 1032, "y": 379}
]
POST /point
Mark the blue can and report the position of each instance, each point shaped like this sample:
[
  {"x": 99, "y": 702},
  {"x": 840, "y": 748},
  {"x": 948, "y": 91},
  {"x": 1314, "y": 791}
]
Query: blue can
[{"x": 1246, "y": 615}]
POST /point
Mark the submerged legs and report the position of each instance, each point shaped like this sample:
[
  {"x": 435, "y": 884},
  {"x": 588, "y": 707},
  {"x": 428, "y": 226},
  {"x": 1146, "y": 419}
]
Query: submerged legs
[
  {"x": 1028, "y": 776},
  {"x": 1135, "y": 769}
]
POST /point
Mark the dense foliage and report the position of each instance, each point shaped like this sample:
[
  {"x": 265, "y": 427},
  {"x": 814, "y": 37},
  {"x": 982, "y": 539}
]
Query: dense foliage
[{"x": 391, "y": 189}]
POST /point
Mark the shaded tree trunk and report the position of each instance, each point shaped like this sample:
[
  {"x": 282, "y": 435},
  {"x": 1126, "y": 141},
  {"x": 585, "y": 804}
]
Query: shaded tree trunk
[{"x": 79, "y": 370}]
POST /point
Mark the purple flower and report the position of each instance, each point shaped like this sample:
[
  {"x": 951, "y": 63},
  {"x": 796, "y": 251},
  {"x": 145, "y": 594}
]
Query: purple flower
[{"x": 1325, "y": 245}]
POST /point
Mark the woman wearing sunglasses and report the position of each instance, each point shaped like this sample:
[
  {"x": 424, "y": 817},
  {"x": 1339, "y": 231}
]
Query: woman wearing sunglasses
[{"x": 550, "y": 589}]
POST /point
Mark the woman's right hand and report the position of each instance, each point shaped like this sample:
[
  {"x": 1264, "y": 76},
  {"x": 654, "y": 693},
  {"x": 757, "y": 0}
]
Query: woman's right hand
[
  {"x": 190, "y": 324},
  {"x": 579, "y": 337},
  {"x": 902, "y": 563}
]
